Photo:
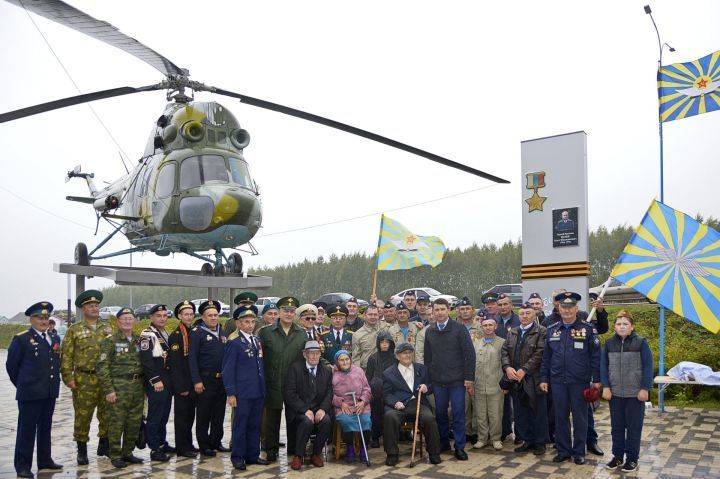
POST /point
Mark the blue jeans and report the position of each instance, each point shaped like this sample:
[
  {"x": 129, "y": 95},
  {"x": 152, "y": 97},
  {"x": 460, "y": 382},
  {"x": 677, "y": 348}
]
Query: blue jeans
[
  {"x": 157, "y": 417},
  {"x": 626, "y": 423},
  {"x": 444, "y": 397}
]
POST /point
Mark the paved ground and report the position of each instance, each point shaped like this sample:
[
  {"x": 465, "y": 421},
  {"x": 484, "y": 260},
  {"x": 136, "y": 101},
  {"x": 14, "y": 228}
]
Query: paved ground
[{"x": 682, "y": 443}]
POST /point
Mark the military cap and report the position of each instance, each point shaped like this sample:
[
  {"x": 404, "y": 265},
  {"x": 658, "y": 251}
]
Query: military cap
[
  {"x": 43, "y": 308},
  {"x": 288, "y": 302},
  {"x": 402, "y": 307},
  {"x": 306, "y": 310},
  {"x": 246, "y": 297},
  {"x": 389, "y": 305},
  {"x": 526, "y": 305},
  {"x": 352, "y": 300},
  {"x": 311, "y": 346},
  {"x": 423, "y": 296},
  {"x": 268, "y": 307},
  {"x": 568, "y": 298},
  {"x": 465, "y": 301},
  {"x": 156, "y": 308},
  {"x": 124, "y": 311},
  {"x": 404, "y": 347},
  {"x": 534, "y": 296},
  {"x": 503, "y": 296},
  {"x": 209, "y": 304},
  {"x": 182, "y": 306},
  {"x": 89, "y": 296},
  {"x": 320, "y": 305},
  {"x": 245, "y": 310},
  {"x": 409, "y": 293},
  {"x": 338, "y": 310},
  {"x": 489, "y": 298}
]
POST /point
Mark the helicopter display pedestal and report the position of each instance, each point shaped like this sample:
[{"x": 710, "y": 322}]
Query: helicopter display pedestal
[{"x": 133, "y": 276}]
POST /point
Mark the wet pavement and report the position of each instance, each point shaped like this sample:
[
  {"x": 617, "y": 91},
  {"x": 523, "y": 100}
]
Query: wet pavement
[{"x": 681, "y": 443}]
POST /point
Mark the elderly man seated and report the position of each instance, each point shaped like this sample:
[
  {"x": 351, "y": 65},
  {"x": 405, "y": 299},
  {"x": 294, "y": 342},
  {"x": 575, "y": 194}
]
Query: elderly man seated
[{"x": 401, "y": 385}]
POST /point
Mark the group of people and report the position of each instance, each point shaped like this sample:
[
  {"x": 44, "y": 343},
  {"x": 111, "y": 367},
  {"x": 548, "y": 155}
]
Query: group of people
[{"x": 488, "y": 375}]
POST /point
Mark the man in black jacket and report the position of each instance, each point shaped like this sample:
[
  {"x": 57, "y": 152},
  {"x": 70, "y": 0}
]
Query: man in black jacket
[
  {"x": 308, "y": 401},
  {"x": 450, "y": 356}
]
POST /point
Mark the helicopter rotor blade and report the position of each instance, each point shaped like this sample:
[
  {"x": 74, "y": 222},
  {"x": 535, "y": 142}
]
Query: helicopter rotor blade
[
  {"x": 74, "y": 100},
  {"x": 356, "y": 131},
  {"x": 69, "y": 16}
]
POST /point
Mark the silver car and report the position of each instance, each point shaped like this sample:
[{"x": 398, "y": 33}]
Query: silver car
[{"x": 434, "y": 294}]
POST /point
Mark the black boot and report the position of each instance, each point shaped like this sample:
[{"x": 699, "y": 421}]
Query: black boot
[
  {"x": 82, "y": 458},
  {"x": 103, "y": 447}
]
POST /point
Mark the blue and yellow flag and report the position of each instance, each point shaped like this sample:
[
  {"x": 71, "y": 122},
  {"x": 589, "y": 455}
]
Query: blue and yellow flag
[
  {"x": 675, "y": 261},
  {"x": 688, "y": 89},
  {"x": 398, "y": 248}
]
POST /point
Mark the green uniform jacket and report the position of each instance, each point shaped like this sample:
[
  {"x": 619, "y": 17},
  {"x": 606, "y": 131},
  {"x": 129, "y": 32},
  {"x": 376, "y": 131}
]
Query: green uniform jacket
[
  {"x": 280, "y": 350},
  {"x": 118, "y": 358},
  {"x": 81, "y": 348}
]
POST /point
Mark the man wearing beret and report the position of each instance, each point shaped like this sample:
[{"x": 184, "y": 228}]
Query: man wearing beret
[
  {"x": 389, "y": 314},
  {"x": 404, "y": 330},
  {"x": 246, "y": 298},
  {"x": 423, "y": 307},
  {"x": 244, "y": 381},
  {"x": 32, "y": 365},
  {"x": 207, "y": 347},
  {"x": 120, "y": 373},
  {"x": 338, "y": 337},
  {"x": 268, "y": 317},
  {"x": 354, "y": 321},
  {"x": 571, "y": 360},
  {"x": 183, "y": 388},
  {"x": 80, "y": 351},
  {"x": 283, "y": 343}
]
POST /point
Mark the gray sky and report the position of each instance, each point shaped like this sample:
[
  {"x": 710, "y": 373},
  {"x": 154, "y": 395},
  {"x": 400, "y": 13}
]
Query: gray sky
[{"x": 465, "y": 80}]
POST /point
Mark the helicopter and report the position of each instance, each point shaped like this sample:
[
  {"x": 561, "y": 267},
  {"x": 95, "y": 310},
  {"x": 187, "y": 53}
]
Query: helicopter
[{"x": 191, "y": 191}]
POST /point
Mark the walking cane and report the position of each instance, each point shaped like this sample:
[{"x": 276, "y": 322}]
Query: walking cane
[
  {"x": 362, "y": 436},
  {"x": 415, "y": 431}
]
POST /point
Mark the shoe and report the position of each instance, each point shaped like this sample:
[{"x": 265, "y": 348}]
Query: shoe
[
  {"x": 472, "y": 438},
  {"x": 526, "y": 446},
  {"x": 159, "y": 456},
  {"x": 296, "y": 463},
  {"x": 103, "y": 448},
  {"x": 25, "y": 473},
  {"x": 517, "y": 440},
  {"x": 630, "y": 466},
  {"x": 561, "y": 458},
  {"x": 479, "y": 445},
  {"x": 51, "y": 465},
  {"x": 259, "y": 461},
  {"x": 82, "y": 458},
  {"x": 497, "y": 445},
  {"x": 614, "y": 464},
  {"x": 208, "y": 452},
  {"x": 435, "y": 459},
  {"x": 595, "y": 449},
  {"x": 580, "y": 460},
  {"x": 221, "y": 448},
  {"x": 350, "y": 455},
  {"x": 316, "y": 461},
  {"x": 240, "y": 465},
  {"x": 539, "y": 449},
  {"x": 461, "y": 455},
  {"x": 272, "y": 456},
  {"x": 132, "y": 459},
  {"x": 374, "y": 443},
  {"x": 168, "y": 449},
  {"x": 445, "y": 448},
  {"x": 190, "y": 453},
  {"x": 363, "y": 457},
  {"x": 391, "y": 461},
  {"x": 118, "y": 463}
]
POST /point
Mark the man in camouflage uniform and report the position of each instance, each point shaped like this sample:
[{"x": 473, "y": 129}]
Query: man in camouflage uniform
[
  {"x": 364, "y": 342},
  {"x": 120, "y": 375},
  {"x": 80, "y": 351},
  {"x": 404, "y": 331}
]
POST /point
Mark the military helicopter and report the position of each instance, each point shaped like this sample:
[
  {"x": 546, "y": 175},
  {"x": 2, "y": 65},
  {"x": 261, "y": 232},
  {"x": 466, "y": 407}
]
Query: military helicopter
[{"x": 191, "y": 192}]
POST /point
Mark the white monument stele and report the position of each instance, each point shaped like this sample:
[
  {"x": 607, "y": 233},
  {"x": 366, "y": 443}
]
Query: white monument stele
[{"x": 555, "y": 216}]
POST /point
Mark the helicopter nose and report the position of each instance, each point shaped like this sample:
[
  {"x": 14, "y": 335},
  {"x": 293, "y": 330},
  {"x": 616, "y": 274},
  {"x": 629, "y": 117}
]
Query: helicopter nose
[{"x": 196, "y": 212}]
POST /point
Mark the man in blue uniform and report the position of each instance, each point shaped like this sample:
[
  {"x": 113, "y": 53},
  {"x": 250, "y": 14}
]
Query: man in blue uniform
[
  {"x": 185, "y": 398},
  {"x": 244, "y": 381},
  {"x": 571, "y": 360},
  {"x": 207, "y": 345},
  {"x": 33, "y": 362},
  {"x": 338, "y": 337}
]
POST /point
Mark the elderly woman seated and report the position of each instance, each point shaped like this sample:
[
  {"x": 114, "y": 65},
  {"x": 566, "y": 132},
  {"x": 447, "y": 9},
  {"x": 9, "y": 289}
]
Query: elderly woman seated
[{"x": 349, "y": 379}]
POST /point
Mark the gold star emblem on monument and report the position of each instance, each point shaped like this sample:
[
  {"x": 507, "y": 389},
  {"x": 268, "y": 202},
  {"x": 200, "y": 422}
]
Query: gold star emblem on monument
[{"x": 535, "y": 202}]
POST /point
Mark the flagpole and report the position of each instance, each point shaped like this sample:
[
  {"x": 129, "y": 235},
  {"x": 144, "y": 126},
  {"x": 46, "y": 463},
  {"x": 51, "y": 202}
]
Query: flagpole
[{"x": 377, "y": 252}]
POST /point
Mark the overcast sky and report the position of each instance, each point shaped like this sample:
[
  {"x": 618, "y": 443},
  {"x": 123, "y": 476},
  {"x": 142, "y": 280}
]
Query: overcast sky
[{"x": 465, "y": 80}]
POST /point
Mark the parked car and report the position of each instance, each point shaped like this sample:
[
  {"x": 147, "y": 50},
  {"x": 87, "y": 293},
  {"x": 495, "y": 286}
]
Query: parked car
[
  {"x": 224, "y": 308},
  {"x": 107, "y": 311},
  {"x": 513, "y": 291},
  {"x": 433, "y": 293},
  {"x": 340, "y": 298},
  {"x": 617, "y": 293},
  {"x": 261, "y": 302}
]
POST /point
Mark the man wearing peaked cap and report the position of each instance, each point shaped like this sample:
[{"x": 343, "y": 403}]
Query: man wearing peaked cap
[
  {"x": 306, "y": 315},
  {"x": 80, "y": 352},
  {"x": 288, "y": 302},
  {"x": 246, "y": 297},
  {"x": 338, "y": 337},
  {"x": 32, "y": 362},
  {"x": 183, "y": 388},
  {"x": 209, "y": 304}
]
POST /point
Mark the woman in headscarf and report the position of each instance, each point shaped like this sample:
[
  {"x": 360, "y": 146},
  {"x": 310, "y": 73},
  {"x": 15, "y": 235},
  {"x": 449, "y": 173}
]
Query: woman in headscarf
[{"x": 346, "y": 380}]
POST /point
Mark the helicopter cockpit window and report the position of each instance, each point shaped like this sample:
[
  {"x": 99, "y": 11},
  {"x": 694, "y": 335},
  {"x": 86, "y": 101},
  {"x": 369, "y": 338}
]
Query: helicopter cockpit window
[
  {"x": 240, "y": 173},
  {"x": 166, "y": 181},
  {"x": 201, "y": 170}
]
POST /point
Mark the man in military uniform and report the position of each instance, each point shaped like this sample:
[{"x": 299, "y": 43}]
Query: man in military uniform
[
  {"x": 423, "y": 307},
  {"x": 282, "y": 343},
  {"x": 120, "y": 374},
  {"x": 207, "y": 346},
  {"x": 536, "y": 302},
  {"x": 154, "y": 349},
  {"x": 389, "y": 313},
  {"x": 182, "y": 384},
  {"x": 246, "y": 298},
  {"x": 353, "y": 321},
  {"x": 491, "y": 309},
  {"x": 404, "y": 331},
  {"x": 32, "y": 365},
  {"x": 244, "y": 380},
  {"x": 364, "y": 341},
  {"x": 320, "y": 319},
  {"x": 80, "y": 351},
  {"x": 269, "y": 316},
  {"x": 306, "y": 315},
  {"x": 410, "y": 300},
  {"x": 466, "y": 317},
  {"x": 338, "y": 337},
  {"x": 571, "y": 360}
]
